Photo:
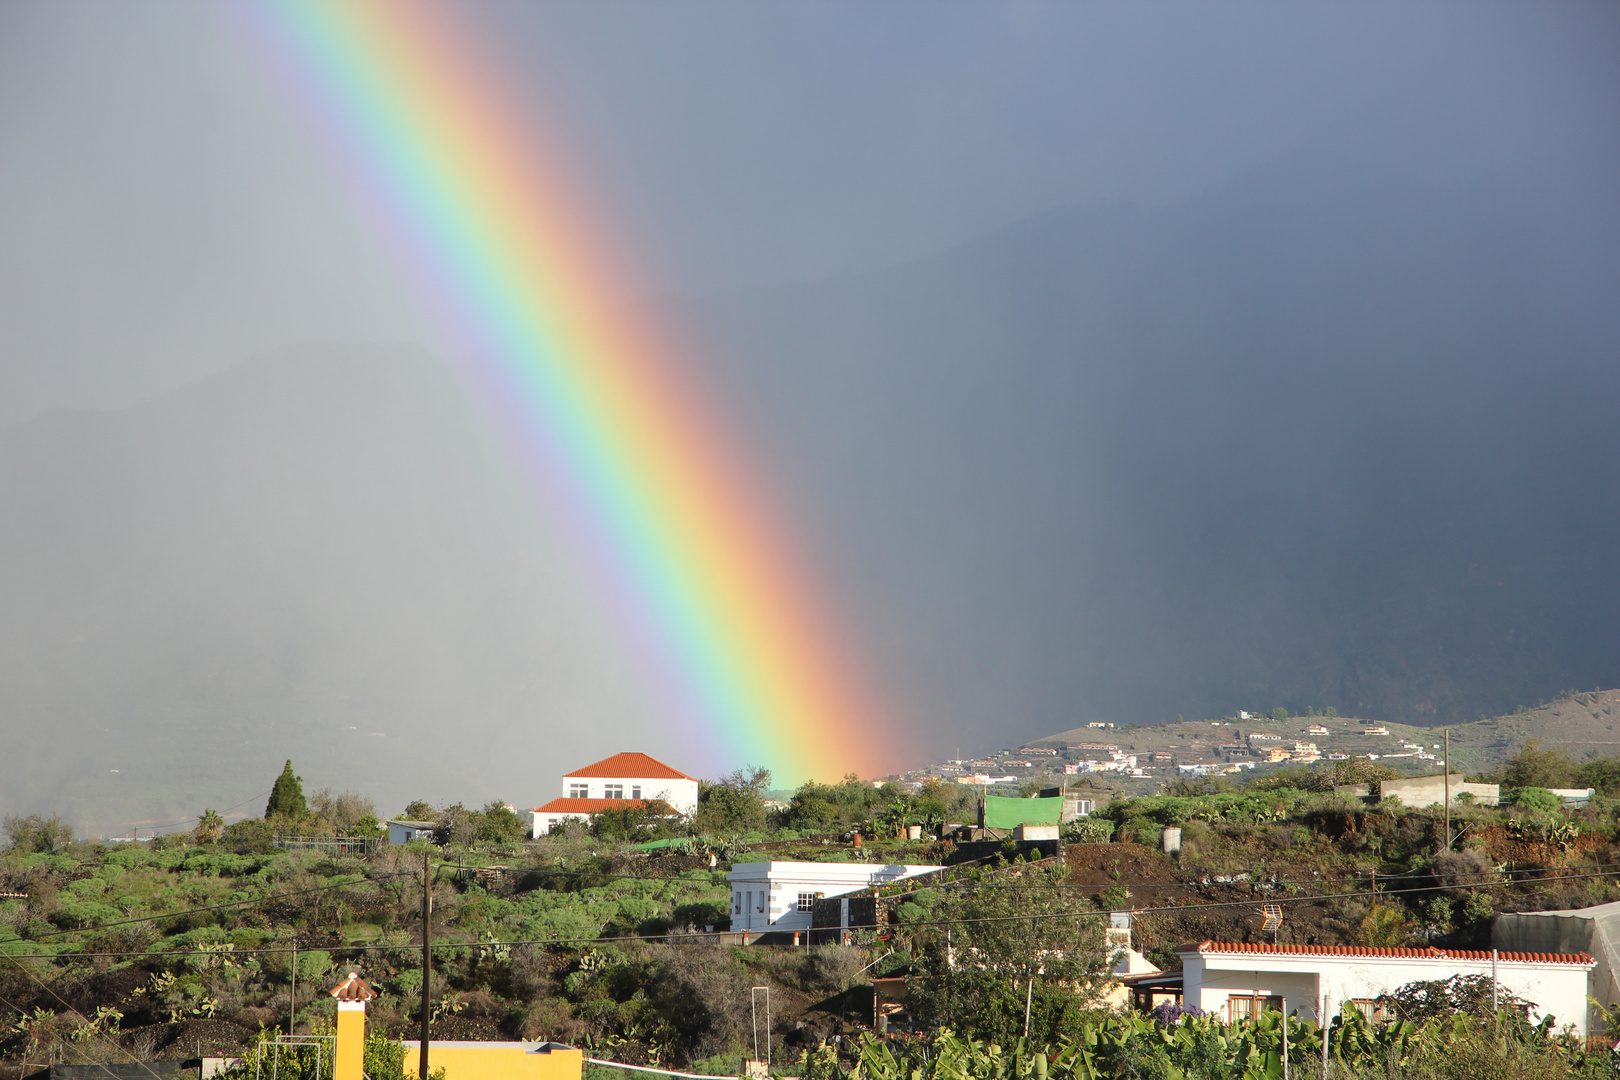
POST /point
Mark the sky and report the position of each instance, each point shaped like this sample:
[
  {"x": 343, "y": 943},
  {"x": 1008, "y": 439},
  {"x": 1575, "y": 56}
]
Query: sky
[
  {"x": 1031, "y": 317},
  {"x": 168, "y": 210}
]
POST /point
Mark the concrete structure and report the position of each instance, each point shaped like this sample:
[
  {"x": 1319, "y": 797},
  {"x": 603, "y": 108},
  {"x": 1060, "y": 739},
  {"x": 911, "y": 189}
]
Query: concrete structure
[
  {"x": 782, "y": 895},
  {"x": 1594, "y": 930},
  {"x": 1574, "y": 796},
  {"x": 1418, "y": 791},
  {"x": 1233, "y": 980},
  {"x": 498, "y": 1060},
  {"x": 403, "y": 832},
  {"x": 621, "y": 780}
]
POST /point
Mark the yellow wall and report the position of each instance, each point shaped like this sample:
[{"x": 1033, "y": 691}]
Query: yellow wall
[
  {"x": 351, "y": 1043},
  {"x": 496, "y": 1061}
]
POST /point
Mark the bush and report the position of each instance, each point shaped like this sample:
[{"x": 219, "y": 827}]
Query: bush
[
  {"x": 250, "y": 836},
  {"x": 1537, "y": 800},
  {"x": 37, "y": 834}
]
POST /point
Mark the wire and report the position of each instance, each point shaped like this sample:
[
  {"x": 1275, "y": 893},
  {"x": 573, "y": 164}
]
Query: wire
[
  {"x": 222, "y": 813},
  {"x": 99, "y": 1034}
]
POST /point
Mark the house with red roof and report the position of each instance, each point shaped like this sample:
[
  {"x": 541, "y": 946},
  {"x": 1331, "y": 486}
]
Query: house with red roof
[
  {"x": 629, "y": 779},
  {"x": 1234, "y": 980}
]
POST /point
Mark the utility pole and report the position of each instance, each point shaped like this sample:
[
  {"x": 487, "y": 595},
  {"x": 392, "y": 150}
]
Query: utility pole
[
  {"x": 427, "y": 960},
  {"x": 292, "y": 1010},
  {"x": 1448, "y": 788}
]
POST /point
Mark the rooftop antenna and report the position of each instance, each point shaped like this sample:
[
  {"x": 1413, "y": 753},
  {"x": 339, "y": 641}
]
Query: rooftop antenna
[{"x": 1271, "y": 916}]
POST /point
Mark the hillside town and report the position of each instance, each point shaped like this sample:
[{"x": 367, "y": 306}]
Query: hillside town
[{"x": 1361, "y": 909}]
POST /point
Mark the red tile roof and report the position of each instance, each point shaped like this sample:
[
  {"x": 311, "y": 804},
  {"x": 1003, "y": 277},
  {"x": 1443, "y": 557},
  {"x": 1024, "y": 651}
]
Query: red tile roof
[
  {"x": 1358, "y": 950},
  {"x": 586, "y": 806},
  {"x": 354, "y": 988},
  {"x": 638, "y": 766}
]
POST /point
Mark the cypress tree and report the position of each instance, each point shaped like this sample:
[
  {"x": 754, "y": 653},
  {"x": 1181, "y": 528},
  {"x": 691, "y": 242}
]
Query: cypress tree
[{"x": 287, "y": 797}]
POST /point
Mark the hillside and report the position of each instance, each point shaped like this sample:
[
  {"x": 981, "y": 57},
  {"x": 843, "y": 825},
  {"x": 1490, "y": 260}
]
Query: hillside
[{"x": 1583, "y": 724}]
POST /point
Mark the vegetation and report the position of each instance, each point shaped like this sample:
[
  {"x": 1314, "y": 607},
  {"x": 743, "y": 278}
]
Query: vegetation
[{"x": 582, "y": 936}]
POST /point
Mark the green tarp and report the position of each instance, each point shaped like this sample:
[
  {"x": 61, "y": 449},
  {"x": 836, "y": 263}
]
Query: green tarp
[{"x": 1002, "y": 813}]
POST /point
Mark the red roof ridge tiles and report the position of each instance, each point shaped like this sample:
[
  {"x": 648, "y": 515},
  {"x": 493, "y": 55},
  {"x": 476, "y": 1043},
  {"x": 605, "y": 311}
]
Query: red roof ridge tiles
[
  {"x": 353, "y": 988},
  {"x": 635, "y": 765},
  {"x": 1373, "y": 951}
]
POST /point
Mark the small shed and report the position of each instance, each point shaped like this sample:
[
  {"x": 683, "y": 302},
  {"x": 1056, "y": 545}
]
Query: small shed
[{"x": 403, "y": 832}]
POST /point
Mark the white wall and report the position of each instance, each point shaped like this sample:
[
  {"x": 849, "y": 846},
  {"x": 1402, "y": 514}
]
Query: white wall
[
  {"x": 765, "y": 895},
  {"x": 682, "y": 795},
  {"x": 1558, "y": 989}
]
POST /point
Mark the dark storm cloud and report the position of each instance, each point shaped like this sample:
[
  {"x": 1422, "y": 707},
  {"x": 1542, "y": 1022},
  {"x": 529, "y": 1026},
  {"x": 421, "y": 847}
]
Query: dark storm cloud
[{"x": 1113, "y": 360}]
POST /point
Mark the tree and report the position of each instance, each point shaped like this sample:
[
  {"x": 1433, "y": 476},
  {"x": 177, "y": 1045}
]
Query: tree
[
  {"x": 1471, "y": 994},
  {"x": 417, "y": 810},
  {"x": 635, "y": 822},
  {"x": 1044, "y": 945},
  {"x": 1279, "y": 713},
  {"x": 735, "y": 803},
  {"x": 210, "y": 827},
  {"x": 37, "y": 834},
  {"x": 498, "y": 823},
  {"x": 1534, "y": 767},
  {"x": 1603, "y": 774},
  {"x": 287, "y": 797}
]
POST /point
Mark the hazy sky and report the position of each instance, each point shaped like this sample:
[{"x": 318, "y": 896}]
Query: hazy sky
[
  {"x": 166, "y": 211},
  {"x": 1206, "y": 356}
]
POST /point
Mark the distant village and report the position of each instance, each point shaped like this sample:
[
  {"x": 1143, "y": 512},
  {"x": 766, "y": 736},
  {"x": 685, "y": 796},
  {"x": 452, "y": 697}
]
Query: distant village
[{"x": 1142, "y": 754}]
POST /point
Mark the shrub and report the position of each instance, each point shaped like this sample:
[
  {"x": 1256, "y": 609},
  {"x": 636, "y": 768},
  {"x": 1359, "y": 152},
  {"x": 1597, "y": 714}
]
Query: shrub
[
  {"x": 1537, "y": 800},
  {"x": 37, "y": 834},
  {"x": 1459, "y": 869}
]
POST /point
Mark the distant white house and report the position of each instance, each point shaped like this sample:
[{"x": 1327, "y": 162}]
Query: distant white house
[
  {"x": 1234, "y": 980},
  {"x": 403, "y": 832},
  {"x": 782, "y": 895},
  {"x": 629, "y": 779}
]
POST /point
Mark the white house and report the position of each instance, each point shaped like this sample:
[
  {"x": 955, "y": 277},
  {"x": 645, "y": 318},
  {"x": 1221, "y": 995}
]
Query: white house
[
  {"x": 781, "y": 895},
  {"x": 1232, "y": 979},
  {"x": 403, "y": 832},
  {"x": 621, "y": 780}
]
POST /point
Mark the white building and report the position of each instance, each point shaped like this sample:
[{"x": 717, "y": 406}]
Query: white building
[
  {"x": 781, "y": 895},
  {"x": 1230, "y": 979},
  {"x": 403, "y": 832},
  {"x": 618, "y": 781}
]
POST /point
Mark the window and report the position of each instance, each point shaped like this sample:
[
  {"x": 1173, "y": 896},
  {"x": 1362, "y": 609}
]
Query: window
[
  {"x": 635, "y": 791},
  {"x": 1375, "y": 1011},
  {"x": 807, "y": 901},
  {"x": 762, "y": 901},
  {"x": 579, "y": 791},
  {"x": 613, "y": 791},
  {"x": 1241, "y": 1006},
  {"x": 736, "y": 903}
]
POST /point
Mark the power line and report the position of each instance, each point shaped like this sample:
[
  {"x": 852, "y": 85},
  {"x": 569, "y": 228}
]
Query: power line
[{"x": 222, "y": 813}]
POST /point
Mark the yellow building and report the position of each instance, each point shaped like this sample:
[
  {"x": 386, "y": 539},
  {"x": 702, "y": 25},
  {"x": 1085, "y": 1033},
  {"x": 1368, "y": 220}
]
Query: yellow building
[{"x": 499, "y": 1060}]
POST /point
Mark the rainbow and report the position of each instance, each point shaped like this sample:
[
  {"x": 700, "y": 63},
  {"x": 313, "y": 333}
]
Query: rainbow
[{"x": 508, "y": 255}]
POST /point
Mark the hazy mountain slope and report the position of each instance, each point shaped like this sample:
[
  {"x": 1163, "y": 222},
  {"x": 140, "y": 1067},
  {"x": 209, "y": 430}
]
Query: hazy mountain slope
[
  {"x": 323, "y": 555},
  {"x": 1320, "y": 437}
]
